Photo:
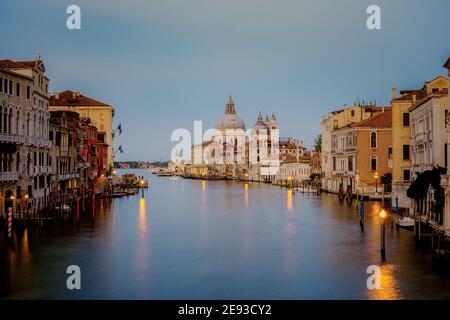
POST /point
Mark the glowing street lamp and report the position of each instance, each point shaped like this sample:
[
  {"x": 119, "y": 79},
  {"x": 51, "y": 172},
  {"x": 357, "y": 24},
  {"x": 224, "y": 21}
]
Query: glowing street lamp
[
  {"x": 376, "y": 181},
  {"x": 383, "y": 233},
  {"x": 26, "y": 197},
  {"x": 142, "y": 187}
]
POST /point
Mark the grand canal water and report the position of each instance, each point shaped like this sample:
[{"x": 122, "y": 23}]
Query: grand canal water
[{"x": 193, "y": 239}]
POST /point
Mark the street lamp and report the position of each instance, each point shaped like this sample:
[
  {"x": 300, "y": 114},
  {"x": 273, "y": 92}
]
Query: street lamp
[
  {"x": 376, "y": 181},
  {"x": 289, "y": 179},
  {"x": 142, "y": 187},
  {"x": 26, "y": 197},
  {"x": 383, "y": 233}
]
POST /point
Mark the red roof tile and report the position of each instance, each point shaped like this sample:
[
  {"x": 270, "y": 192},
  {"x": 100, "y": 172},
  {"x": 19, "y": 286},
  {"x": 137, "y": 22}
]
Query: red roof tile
[
  {"x": 9, "y": 64},
  {"x": 381, "y": 120},
  {"x": 426, "y": 97},
  {"x": 407, "y": 95},
  {"x": 71, "y": 98}
]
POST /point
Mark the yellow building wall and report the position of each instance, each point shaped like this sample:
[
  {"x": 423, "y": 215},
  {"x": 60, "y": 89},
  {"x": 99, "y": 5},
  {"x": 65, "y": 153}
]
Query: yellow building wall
[
  {"x": 401, "y": 135},
  {"x": 350, "y": 115},
  {"x": 365, "y": 152}
]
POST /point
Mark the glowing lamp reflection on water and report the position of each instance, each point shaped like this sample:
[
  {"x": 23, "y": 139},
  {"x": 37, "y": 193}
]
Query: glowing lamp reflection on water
[
  {"x": 142, "y": 221},
  {"x": 289, "y": 204},
  {"x": 383, "y": 214}
]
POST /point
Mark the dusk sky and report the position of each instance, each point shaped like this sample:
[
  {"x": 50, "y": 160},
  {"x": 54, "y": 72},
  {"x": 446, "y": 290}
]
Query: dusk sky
[{"x": 164, "y": 64}]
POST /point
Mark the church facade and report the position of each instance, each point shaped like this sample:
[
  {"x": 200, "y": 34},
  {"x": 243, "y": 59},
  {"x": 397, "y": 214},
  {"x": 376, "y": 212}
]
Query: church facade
[{"x": 236, "y": 153}]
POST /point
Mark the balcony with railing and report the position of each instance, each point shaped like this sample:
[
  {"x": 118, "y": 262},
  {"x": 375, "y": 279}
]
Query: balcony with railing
[
  {"x": 31, "y": 140},
  {"x": 420, "y": 137},
  {"x": 38, "y": 141},
  {"x": 12, "y": 138},
  {"x": 9, "y": 176},
  {"x": 67, "y": 176},
  {"x": 41, "y": 170}
]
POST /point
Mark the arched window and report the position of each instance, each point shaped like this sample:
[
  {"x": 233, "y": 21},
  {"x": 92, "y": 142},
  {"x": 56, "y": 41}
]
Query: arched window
[
  {"x": 28, "y": 124},
  {"x": 18, "y": 122},
  {"x": 5, "y": 121},
  {"x": 29, "y": 164},
  {"x": 373, "y": 140},
  {"x": 373, "y": 163},
  {"x": 18, "y": 162},
  {"x": 34, "y": 126},
  {"x": 10, "y": 162},
  {"x": 10, "y": 120}
]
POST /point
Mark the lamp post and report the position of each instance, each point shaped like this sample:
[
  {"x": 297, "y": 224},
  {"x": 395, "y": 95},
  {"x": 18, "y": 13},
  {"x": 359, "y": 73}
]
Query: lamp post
[
  {"x": 26, "y": 197},
  {"x": 383, "y": 233},
  {"x": 289, "y": 179},
  {"x": 376, "y": 181},
  {"x": 142, "y": 187}
]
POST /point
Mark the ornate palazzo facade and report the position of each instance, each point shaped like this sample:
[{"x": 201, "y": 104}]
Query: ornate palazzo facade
[{"x": 24, "y": 118}]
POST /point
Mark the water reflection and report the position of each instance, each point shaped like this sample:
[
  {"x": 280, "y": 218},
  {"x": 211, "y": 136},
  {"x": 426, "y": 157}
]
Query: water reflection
[
  {"x": 203, "y": 197},
  {"x": 289, "y": 205},
  {"x": 142, "y": 217},
  {"x": 142, "y": 251},
  {"x": 186, "y": 243},
  {"x": 390, "y": 289},
  {"x": 246, "y": 195}
]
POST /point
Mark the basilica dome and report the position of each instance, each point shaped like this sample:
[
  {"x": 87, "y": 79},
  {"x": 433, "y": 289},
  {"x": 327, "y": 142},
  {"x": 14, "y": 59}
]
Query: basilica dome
[{"x": 230, "y": 120}]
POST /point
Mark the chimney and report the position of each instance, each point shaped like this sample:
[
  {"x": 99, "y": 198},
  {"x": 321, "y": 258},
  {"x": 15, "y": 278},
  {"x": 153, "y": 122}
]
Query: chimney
[
  {"x": 77, "y": 94},
  {"x": 394, "y": 93},
  {"x": 414, "y": 99},
  {"x": 57, "y": 96}
]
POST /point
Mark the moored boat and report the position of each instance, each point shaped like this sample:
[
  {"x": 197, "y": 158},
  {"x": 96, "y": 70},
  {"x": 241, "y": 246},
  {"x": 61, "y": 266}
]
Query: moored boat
[{"x": 406, "y": 222}]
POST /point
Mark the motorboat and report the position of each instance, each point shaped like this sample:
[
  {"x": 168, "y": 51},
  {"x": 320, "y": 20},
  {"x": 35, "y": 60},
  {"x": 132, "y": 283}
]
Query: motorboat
[
  {"x": 118, "y": 194},
  {"x": 406, "y": 222}
]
